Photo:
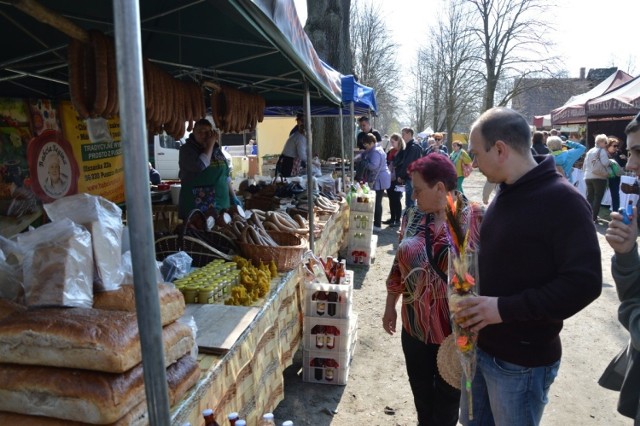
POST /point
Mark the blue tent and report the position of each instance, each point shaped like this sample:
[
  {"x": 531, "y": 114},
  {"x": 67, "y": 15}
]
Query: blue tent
[
  {"x": 361, "y": 95},
  {"x": 346, "y": 88}
]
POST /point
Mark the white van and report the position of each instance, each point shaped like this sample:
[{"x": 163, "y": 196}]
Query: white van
[{"x": 165, "y": 155}]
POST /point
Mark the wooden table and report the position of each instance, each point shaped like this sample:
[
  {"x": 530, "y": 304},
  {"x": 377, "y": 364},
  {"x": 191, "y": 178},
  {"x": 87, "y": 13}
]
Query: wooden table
[{"x": 249, "y": 378}]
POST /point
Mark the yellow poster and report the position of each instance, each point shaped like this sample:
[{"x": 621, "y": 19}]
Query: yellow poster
[{"x": 100, "y": 162}]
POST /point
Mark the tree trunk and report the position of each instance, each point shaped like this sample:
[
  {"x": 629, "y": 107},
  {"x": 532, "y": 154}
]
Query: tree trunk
[{"x": 328, "y": 29}]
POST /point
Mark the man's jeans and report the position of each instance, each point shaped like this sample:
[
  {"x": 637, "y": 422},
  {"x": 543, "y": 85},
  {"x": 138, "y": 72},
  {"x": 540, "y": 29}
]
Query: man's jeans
[
  {"x": 408, "y": 191},
  {"x": 506, "y": 394}
]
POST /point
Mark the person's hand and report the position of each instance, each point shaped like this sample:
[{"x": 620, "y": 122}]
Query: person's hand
[
  {"x": 620, "y": 236},
  {"x": 389, "y": 320},
  {"x": 400, "y": 181},
  {"x": 476, "y": 313},
  {"x": 210, "y": 140}
]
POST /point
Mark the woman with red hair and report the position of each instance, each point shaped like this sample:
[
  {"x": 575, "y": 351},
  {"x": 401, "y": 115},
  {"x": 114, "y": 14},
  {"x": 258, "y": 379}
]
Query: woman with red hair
[{"x": 419, "y": 276}]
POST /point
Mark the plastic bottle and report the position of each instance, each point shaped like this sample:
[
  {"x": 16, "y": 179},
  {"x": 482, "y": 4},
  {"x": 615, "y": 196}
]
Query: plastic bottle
[{"x": 267, "y": 420}]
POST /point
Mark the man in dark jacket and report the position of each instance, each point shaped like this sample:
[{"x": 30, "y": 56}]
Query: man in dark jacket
[
  {"x": 412, "y": 152},
  {"x": 624, "y": 372},
  {"x": 531, "y": 277},
  {"x": 365, "y": 129}
]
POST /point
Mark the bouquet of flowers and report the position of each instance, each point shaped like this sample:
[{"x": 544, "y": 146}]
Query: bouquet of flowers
[{"x": 463, "y": 280}]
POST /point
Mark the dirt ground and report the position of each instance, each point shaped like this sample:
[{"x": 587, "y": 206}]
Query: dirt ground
[{"x": 378, "y": 380}]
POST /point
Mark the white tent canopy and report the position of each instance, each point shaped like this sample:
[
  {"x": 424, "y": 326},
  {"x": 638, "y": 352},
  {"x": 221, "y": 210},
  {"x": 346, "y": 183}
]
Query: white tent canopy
[{"x": 426, "y": 132}]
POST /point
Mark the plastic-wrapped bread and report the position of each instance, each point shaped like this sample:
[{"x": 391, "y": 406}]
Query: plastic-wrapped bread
[
  {"x": 58, "y": 265},
  {"x": 91, "y": 339},
  {"x": 103, "y": 219}
]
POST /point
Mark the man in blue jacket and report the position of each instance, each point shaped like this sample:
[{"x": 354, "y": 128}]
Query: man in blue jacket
[
  {"x": 539, "y": 264},
  {"x": 412, "y": 152}
]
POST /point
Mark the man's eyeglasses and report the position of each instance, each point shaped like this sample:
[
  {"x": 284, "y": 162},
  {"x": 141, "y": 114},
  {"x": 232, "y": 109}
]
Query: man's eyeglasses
[{"x": 438, "y": 139}]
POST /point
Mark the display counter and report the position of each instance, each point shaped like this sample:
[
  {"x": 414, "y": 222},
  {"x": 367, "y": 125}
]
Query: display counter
[{"x": 248, "y": 379}]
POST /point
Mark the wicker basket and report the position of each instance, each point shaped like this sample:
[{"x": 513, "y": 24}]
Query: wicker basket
[
  {"x": 287, "y": 255},
  {"x": 194, "y": 227},
  {"x": 201, "y": 252}
]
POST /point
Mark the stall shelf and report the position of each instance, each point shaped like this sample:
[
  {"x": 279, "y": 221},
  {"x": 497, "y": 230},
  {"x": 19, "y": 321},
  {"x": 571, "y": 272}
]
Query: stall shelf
[{"x": 248, "y": 379}]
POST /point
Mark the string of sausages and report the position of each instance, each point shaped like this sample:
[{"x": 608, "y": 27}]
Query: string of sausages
[
  {"x": 171, "y": 105},
  {"x": 235, "y": 111}
]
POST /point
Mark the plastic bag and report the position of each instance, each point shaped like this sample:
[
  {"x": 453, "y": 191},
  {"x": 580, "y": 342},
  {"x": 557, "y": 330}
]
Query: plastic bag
[
  {"x": 176, "y": 266},
  {"x": 191, "y": 322},
  {"x": 103, "y": 219},
  {"x": 126, "y": 269},
  {"x": 58, "y": 265},
  {"x": 11, "y": 271}
]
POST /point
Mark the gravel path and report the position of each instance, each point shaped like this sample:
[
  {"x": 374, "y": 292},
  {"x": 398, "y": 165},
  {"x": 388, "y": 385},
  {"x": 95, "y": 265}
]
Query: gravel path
[{"x": 377, "y": 377}]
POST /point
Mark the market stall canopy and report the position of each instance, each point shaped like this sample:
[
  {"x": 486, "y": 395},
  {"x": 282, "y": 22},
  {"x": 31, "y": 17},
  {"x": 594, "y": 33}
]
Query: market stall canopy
[
  {"x": 542, "y": 121},
  {"x": 426, "y": 132},
  {"x": 573, "y": 111},
  {"x": 252, "y": 45},
  {"x": 621, "y": 102},
  {"x": 349, "y": 90}
]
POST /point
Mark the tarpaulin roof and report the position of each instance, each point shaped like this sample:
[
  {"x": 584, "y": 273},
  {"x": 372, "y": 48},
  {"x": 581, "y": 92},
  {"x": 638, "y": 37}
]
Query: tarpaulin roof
[
  {"x": 255, "y": 45},
  {"x": 363, "y": 98},
  {"x": 623, "y": 101},
  {"x": 573, "y": 111}
]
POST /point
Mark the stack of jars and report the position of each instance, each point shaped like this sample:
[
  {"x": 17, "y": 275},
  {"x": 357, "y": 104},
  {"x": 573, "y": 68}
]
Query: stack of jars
[{"x": 209, "y": 284}]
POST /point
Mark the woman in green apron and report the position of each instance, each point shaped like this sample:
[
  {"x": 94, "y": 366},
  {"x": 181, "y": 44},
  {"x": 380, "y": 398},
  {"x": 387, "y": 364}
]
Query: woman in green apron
[{"x": 204, "y": 173}]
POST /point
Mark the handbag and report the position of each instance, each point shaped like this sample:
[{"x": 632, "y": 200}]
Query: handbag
[
  {"x": 598, "y": 168},
  {"x": 614, "y": 169}
]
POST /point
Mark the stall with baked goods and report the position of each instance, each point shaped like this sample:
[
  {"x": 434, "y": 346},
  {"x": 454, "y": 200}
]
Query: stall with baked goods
[{"x": 222, "y": 42}]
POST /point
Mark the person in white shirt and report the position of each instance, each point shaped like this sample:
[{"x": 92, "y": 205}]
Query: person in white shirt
[
  {"x": 596, "y": 174},
  {"x": 294, "y": 153}
]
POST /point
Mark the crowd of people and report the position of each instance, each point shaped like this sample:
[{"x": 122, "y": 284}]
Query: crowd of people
[{"x": 532, "y": 277}]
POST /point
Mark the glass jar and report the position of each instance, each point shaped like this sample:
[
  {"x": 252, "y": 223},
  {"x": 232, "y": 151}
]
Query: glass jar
[{"x": 191, "y": 294}]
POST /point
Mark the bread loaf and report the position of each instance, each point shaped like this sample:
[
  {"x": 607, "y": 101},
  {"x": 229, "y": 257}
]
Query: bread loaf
[
  {"x": 58, "y": 265},
  {"x": 138, "y": 416},
  {"x": 81, "y": 395},
  {"x": 49, "y": 396},
  {"x": 123, "y": 299},
  {"x": 91, "y": 339},
  {"x": 181, "y": 376},
  {"x": 7, "y": 307}
]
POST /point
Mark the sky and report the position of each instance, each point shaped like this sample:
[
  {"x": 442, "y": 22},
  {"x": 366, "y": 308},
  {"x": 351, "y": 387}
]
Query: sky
[{"x": 588, "y": 36}]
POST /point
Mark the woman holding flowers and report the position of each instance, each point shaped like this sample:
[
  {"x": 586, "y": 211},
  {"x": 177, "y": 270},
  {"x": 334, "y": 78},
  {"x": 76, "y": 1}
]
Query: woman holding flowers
[{"x": 419, "y": 276}]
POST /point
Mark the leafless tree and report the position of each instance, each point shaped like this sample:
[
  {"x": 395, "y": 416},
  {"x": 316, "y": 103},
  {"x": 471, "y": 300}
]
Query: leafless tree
[
  {"x": 514, "y": 44},
  {"x": 328, "y": 29},
  {"x": 459, "y": 84},
  {"x": 447, "y": 85},
  {"x": 374, "y": 56},
  {"x": 419, "y": 103}
]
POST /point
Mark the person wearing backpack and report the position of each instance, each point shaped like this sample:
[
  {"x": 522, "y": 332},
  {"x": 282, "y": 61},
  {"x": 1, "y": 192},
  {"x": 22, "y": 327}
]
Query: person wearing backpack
[{"x": 596, "y": 173}]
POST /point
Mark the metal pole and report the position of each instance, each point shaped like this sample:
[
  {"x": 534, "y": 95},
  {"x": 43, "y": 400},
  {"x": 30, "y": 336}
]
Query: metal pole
[
  {"x": 352, "y": 136},
  {"x": 134, "y": 141},
  {"x": 307, "y": 130},
  {"x": 344, "y": 181}
]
